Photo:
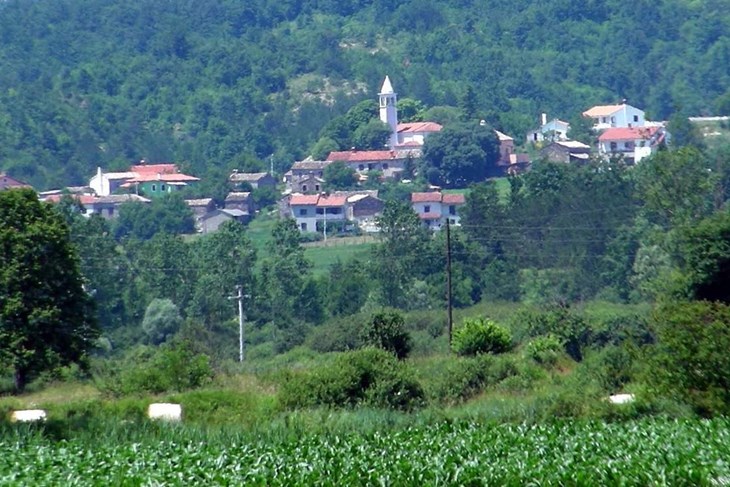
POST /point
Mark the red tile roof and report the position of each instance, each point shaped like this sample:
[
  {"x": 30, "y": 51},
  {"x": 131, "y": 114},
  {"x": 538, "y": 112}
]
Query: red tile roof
[
  {"x": 164, "y": 177},
  {"x": 602, "y": 110},
  {"x": 431, "y": 197},
  {"x": 628, "y": 133},
  {"x": 8, "y": 182},
  {"x": 453, "y": 199},
  {"x": 155, "y": 168},
  {"x": 303, "y": 199},
  {"x": 418, "y": 127},
  {"x": 332, "y": 201},
  {"x": 362, "y": 156}
]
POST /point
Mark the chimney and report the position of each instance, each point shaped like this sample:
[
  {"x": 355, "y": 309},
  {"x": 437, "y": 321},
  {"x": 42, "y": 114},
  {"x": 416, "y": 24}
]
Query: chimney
[{"x": 543, "y": 118}]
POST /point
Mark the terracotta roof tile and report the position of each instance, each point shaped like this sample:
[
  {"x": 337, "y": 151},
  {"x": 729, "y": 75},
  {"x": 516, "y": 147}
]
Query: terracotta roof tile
[
  {"x": 364, "y": 156},
  {"x": 419, "y": 127},
  {"x": 332, "y": 201},
  {"x": 430, "y": 197},
  {"x": 602, "y": 110},
  {"x": 453, "y": 199},
  {"x": 304, "y": 199},
  {"x": 628, "y": 133}
]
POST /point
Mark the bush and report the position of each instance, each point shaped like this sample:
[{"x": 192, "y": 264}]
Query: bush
[
  {"x": 161, "y": 320},
  {"x": 387, "y": 331},
  {"x": 480, "y": 335},
  {"x": 560, "y": 321},
  {"x": 690, "y": 360},
  {"x": 369, "y": 377},
  {"x": 337, "y": 335},
  {"x": 545, "y": 349},
  {"x": 171, "y": 368}
]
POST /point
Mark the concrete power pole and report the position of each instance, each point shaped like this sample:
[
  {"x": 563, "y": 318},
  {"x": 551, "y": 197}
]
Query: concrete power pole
[{"x": 240, "y": 296}]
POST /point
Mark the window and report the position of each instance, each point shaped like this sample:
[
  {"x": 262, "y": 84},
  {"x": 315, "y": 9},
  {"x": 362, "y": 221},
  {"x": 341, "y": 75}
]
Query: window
[
  {"x": 385, "y": 166},
  {"x": 304, "y": 188},
  {"x": 302, "y": 212},
  {"x": 636, "y": 118},
  {"x": 303, "y": 226},
  {"x": 154, "y": 188},
  {"x": 370, "y": 167},
  {"x": 629, "y": 145},
  {"x": 316, "y": 187},
  {"x": 111, "y": 211},
  {"x": 604, "y": 120},
  {"x": 361, "y": 167},
  {"x": 427, "y": 209},
  {"x": 614, "y": 146},
  {"x": 162, "y": 187},
  {"x": 452, "y": 210},
  {"x": 320, "y": 211}
]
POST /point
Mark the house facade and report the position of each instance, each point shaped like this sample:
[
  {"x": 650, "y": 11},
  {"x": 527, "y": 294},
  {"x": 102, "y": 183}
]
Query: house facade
[
  {"x": 152, "y": 180},
  {"x": 414, "y": 134},
  {"x": 200, "y": 208},
  {"x": 312, "y": 212},
  {"x": 633, "y": 144},
  {"x": 389, "y": 162},
  {"x": 615, "y": 116},
  {"x": 435, "y": 208},
  {"x": 237, "y": 200},
  {"x": 566, "y": 151},
  {"x": 6, "y": 182},
  {"x": 211, "y": 222},
  {"x": 552, "y": 130},
  {"x": 255, "y": 179}
]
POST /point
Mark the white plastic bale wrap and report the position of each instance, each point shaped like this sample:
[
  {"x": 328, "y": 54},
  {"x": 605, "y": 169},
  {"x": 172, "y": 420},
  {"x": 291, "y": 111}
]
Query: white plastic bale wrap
[
  {"x": 28, "y": 416},
  {"x": 165, "y": 411},
  {"x": 621, "y": 398}
]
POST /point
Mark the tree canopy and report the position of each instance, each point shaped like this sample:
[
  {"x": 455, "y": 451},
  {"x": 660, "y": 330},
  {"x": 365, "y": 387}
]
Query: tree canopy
[
  {"x": 45, "y": 314},
  {"x": 460, "y": 154}
]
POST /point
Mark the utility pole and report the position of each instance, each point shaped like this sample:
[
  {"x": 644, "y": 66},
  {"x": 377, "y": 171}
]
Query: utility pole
[
  {"x": 239, "y": 296},
  {"x": 449, "y": 316}
]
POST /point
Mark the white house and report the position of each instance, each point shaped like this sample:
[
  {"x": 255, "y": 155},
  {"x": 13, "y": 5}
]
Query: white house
[
  {"x": 414, "y": 134},
  {"x": 303, "y": 208},
  {"x": 105, "y": 184},
  {"x": 621, "y": 116},
  {"x": 633, "y": 143},
  {"x": 434, "y": 208},
  {"x": 553, "y": 130}
]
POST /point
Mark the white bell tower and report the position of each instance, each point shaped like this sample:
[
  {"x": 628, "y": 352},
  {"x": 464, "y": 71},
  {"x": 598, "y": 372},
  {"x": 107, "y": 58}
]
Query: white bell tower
[{"x": 389, "y": 111}]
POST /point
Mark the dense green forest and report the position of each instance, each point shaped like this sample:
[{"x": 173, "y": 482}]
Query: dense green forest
[{"x": 221, "y": 84}]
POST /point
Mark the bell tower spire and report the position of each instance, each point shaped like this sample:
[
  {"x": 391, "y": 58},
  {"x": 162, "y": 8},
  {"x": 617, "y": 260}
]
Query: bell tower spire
[{"x": 388, "y": 110}]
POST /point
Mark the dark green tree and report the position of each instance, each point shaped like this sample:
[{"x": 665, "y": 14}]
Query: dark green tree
[
  {"x": 46, "y": 318},
  {"x": 371, "y": 136},
  {"x": 387, "y": 331},
  {"x": 461, "y": 154},
  {"x": 398, "y": 257},
  {"x": 339, "y": 176}
]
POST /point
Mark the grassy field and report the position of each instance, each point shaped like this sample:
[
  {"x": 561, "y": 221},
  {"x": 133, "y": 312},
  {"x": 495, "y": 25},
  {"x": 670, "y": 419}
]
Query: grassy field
[{"x": 323, "y": 257}]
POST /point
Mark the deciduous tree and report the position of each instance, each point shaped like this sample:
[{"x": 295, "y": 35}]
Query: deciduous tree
[{"x": 45, "y": 314}]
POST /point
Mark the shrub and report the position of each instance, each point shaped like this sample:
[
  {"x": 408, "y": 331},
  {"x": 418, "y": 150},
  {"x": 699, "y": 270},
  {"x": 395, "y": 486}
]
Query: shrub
[
  {"x": 171, "y": 368},
  {"x": 161, "y": 320},
  {"x": 369, "y": 377},
  {"x": 559, "y": 321},
  {"x": 387, "y": 331},
  {"x": 545, "y": 349},
  {"x": 480, "y": 335},
  {"x": 690, "y": 360}
]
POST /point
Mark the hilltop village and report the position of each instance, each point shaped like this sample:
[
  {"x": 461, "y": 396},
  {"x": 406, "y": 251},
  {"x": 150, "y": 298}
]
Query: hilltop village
[{"x": 618, "y": 131}]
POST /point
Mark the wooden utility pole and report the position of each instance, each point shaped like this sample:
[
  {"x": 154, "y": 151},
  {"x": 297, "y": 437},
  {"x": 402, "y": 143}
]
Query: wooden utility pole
[{"x": 449, "y": 316}]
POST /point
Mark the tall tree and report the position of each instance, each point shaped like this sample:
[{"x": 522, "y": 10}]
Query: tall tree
[
  {"x": 45, "y": 314},
  {"x": 461, "y": 154},
  {"x": 398, "y": 258}
]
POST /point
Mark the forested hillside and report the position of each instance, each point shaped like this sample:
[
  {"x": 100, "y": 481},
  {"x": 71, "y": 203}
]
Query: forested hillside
[{"x": 223, "y": 83}]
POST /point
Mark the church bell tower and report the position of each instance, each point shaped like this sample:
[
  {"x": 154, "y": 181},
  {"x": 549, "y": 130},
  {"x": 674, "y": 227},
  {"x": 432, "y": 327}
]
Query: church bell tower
[{"x": 389, "y": 111}]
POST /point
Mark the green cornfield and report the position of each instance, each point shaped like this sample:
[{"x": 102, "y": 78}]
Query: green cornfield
[{"x": 644, "y": 452}]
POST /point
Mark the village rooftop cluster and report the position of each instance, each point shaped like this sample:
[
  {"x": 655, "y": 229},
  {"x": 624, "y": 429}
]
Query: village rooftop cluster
[{"x": 622, "y": 129}]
